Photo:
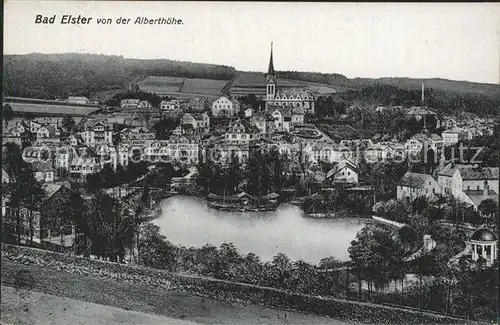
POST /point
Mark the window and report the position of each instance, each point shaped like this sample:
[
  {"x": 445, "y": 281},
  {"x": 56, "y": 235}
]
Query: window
[
  {"x": 478, "y": 187},
  {"x": 348, "y": 173},
  {"x": 468, "y": 187},
  {"x": 433, "y": 190},
  {"x": 429, "y": 182}
]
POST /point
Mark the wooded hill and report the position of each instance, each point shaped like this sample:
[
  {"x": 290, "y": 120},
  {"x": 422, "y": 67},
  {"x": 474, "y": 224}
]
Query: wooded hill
[{"x": 61, "y": 75}]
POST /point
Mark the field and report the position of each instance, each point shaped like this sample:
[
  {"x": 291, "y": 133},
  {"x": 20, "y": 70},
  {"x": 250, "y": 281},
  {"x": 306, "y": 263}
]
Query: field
[
  {"x": 51, "y": 110},
  {"x": 175, "y": 86},
  {"x": 252, "y": 82}
]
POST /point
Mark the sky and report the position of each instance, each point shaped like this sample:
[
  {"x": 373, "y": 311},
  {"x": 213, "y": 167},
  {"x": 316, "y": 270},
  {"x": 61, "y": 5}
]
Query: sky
[{"x": 459, "y": 41}]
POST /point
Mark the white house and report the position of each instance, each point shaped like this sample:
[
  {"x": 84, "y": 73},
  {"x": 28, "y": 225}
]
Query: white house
[
  {"x": 129, "y": 103},
  {"x": 469, "y": 183},
  {"x": 423, "y": 142},
  {"x": 97, "y": 134},
  {"x": 144, "y": 104},
  {"x": 241, "y": 132},
  {"x": 282, "y": 118},
  {"x": 46, "y": 131},
  {"x": 345, "y": 172},
  {"x": 453, "y": 136},
  {"x": 43, "y": 172},
  {"x": 78, "y": 100},
  {"x": 170, "y": 105},
  {"x": 225, "y": 107},
  {"x": 199, "y": 121},
  {"x": 413, "y": 185}
]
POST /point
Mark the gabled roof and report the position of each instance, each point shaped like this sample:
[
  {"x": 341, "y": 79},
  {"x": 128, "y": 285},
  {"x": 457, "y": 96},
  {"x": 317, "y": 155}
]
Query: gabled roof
[
  {"x": 343, "y": 163},
  {"x": 415, "y": 180}
]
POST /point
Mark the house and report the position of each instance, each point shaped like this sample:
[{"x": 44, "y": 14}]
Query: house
[
  {"x": 183, "y": 149},
  {"x": 46, "y": 216},
  {"x": 384, "y": 150},
  {"x": 322, "y": 151},
  {"x": 289, "y": 150},
  {"x": 423, "y": 142},
  {"x": 170, "y": 105},
  {"x": 199, "y": 121},
  {"x": 136, "y": 136},
  {"x": 78, "y": 100},
  {"x": 223, "y": 152},
  {"x": 98, "y": 133},
  {"x": 129, "y": 103},
  {"x": 83, "y": 165},
  {"x": 413, "y": 185},
  {"x": 34, "y": 126},
  {"x": 282, "y": 117},
  {"x": 264, "y": 121},
  {"x": 241, "y": 132},
  {"x": 45, "y": 132},
  {"x": 144, "y": 104},
  {"x": 75, "y": 140},
  {"x": 43, "y": 172},
  {"x": 455, "y": 135},
  {"x": 224, "y": 107},
  {"x": 297, "y": 116},
  {"x": 449, "y": 123},
  {"x": 469, "y": 183},
  {"x": 345, "y": 172},
  {"x": 249, "y": 112},
  {"x": 198, "y": 105},
  {"x": 63, "y": 156}
]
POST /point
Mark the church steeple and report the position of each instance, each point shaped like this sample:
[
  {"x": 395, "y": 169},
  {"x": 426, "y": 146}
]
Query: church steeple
[
  {"x": 270, "y": 70},
  {"x": 271, "y": 78}
]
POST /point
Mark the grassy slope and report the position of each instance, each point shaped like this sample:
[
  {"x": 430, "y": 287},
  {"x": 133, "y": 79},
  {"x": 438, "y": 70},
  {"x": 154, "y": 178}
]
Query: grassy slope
[{"x": 150, "y": 300}]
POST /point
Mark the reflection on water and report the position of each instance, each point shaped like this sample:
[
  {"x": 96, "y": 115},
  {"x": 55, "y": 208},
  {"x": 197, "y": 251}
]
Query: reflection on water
[{"x": 188, "y": 221}]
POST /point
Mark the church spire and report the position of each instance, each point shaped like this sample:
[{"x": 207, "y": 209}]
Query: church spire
[{"x": 270, "y": 70}]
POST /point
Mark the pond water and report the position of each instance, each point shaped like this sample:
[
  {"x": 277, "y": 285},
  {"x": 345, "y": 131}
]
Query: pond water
[{"x": 188, "y": 221}]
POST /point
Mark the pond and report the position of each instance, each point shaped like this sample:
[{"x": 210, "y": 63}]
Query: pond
[{"x": 188, "y": 221}]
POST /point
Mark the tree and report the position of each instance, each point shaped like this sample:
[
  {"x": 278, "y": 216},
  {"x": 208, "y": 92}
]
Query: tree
[
  {"x": 68, "y": 124},
  {"x": 375, "y": 256},
  {"x": 154, "y": 250},
  {"x": 7, "y": 114}
]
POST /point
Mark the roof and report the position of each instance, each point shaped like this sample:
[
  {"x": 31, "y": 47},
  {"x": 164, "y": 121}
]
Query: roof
[
  {"x": 41, "y": 167},
  {"x": 50, "y": 189},
  {"x": 343, "y": 163},
  {"x": 455, "y": 130},
  {"x": 420, "y": 110},
  {"x": 479, "y": 196},
  {"x": 484, "y": 234},
  {"x": 78, "y": 98},
  {"x": 414, "y": 180},
  {"x": 470, "y": 172}
]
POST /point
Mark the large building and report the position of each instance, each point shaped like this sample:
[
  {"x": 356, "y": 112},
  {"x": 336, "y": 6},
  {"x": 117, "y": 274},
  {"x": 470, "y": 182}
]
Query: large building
[{"x": 293, "y": 97}]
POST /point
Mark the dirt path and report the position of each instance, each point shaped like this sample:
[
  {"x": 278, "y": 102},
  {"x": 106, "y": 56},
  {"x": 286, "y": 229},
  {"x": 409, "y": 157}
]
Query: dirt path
[{"x": 48, "y": 293}]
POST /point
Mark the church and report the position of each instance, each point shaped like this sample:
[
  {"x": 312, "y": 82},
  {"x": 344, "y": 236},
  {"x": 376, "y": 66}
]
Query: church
[{"x": 298, "y": 99}]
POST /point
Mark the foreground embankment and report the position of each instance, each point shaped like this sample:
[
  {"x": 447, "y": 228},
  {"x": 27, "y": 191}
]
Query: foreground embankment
[{"x": 223, "y": 290}]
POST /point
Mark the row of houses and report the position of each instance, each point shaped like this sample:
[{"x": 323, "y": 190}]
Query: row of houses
[{"x": 468, "y": 183}]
